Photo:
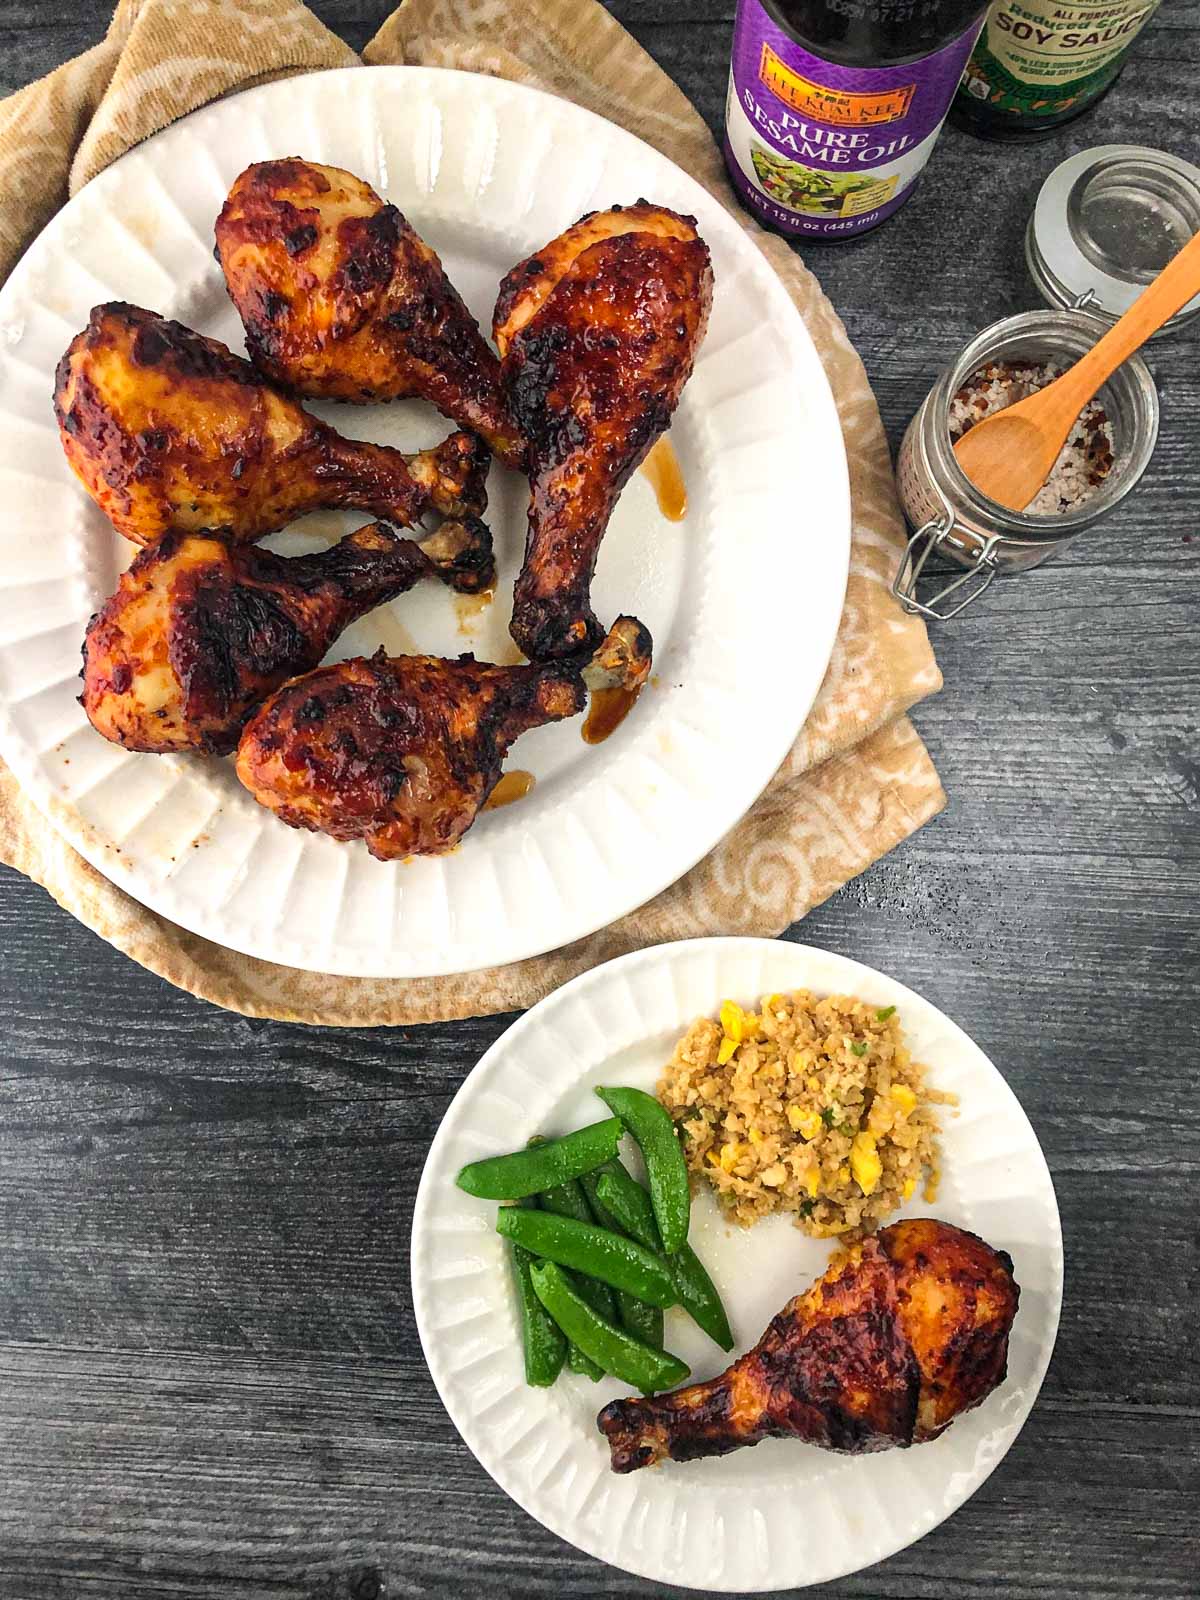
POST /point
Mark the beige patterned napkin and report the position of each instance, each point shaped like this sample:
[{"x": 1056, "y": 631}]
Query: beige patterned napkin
[{"x": 858, "y": 779}]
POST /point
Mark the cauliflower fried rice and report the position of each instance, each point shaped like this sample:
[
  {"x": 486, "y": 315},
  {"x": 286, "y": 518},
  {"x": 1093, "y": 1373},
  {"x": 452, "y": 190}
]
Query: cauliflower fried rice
[{"x": 811, "y": 1105}]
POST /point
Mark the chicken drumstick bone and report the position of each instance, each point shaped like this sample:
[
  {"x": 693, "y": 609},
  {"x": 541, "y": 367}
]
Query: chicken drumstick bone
[
  {"x": 403, "y": 752},
  {"x": 340, "y": 298},
  {"x": 169, "y": 430},
  {"x": 597, "y": 335},
  {"x": 201, "y": 629},
  {"x": 905, "y": 1332}
]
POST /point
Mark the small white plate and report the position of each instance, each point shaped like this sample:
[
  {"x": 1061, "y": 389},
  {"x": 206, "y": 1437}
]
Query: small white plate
[
  {"x": 782, "y": 1514},
  {"x": 743, "y": 597}
]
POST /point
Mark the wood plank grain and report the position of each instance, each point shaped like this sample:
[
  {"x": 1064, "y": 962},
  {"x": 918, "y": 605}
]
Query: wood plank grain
[{"x": 275, "y": 1476}]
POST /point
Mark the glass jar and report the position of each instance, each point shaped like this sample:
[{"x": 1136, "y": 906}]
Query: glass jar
[
  {"x": 952, "y": 517},
  {"x": 1106, "y": 222}
]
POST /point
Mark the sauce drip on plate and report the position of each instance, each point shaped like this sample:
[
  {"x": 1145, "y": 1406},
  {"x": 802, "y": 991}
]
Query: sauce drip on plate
[
  {"x": 512, "y": 786},
  {"x": 661, "y": 468},
  {"x": 469, "y": 607},
  {"x": 606, "y": 712}
]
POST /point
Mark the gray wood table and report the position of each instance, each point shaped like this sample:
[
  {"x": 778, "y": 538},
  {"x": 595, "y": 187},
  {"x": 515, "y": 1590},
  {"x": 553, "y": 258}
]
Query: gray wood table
[{"x": 210, "y": 1380}]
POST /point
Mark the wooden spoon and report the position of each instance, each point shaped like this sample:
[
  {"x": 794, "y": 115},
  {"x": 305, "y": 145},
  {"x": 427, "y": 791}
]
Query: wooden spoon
[{"x": 1010, "y": 455}]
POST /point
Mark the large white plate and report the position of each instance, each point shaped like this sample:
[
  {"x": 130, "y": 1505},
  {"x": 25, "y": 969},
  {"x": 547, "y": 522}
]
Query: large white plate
[
  {"x": 743, "y": 598},
  {"x": 781, "y": 1514}
]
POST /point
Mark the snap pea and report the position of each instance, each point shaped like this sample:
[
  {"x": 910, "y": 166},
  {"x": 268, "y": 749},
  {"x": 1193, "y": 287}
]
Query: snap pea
[
  {"x": 542, "y": 1341},
  {"x": 628, "y": 1204},
  {"x": 613, "y": 1349},
  {"x": 529, "y": 1171},
  {"x": 611, "y": 1257},
  {"x": 578, "y": 1362},
  {"x": 569, "y": 1200},
  {"x": 666, "y": 1170},
  {"x": 624, "y": 1199},
  {"x": 566, "y": 1199},
  {"x": 643, "y": 1321},
  {"x": 698, "y": 1296},
  {"x": 589, "y": 1183}
]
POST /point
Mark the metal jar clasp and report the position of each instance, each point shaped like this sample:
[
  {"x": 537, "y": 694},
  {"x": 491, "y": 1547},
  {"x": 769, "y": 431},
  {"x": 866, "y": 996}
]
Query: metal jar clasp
[{"x": 936, "y": 533}]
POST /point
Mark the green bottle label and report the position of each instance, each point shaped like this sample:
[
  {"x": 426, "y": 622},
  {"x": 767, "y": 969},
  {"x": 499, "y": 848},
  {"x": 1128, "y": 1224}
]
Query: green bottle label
[{"x": 1035, "y": 59}]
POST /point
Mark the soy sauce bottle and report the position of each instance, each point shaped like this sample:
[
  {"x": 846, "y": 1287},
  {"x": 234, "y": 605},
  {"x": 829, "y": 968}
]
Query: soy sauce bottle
[
  {"x": 834, "y": 105},
  {"x": 1037, "y": 65}
]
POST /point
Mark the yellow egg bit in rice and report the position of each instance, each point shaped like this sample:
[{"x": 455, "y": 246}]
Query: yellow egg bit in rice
[{"x": 809, "y": 1105}]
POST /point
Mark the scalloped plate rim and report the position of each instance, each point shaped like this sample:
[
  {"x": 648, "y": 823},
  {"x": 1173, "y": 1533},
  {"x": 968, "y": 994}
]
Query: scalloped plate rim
[
  {"x": 492, "y": 1064},
  {"x": 829, "y": 574}
]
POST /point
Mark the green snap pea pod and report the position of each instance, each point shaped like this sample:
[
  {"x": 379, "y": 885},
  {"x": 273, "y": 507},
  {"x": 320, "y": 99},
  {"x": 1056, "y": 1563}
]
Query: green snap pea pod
[
  {"x": 624, "y": 1199},
  {"x": 542, "y": 1341},
  {"x": 529, "y": 1171},
  {"x": 615, "y": 1260},
  {"x": 643, "y": 1321},
  {"x": 569, "y": 1200},
  {"x": 698, "y": 1296},
  {"x": 666, "y": 1171},
  {"x": 590, "y": 1182},
  {"x": 616, "y": 1351},
  {"x": 583, "y": 1365}
]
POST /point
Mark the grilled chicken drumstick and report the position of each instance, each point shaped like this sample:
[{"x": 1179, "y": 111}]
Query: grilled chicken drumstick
[
  {"x": 904, "y": 1332},
  {"x": 201, "y": 630},
  {"x": 169, "y": 430},
  {"x": 341, "y": 299},
  {"x": 403, "y": 752},
  {"x": 597, "y": 335}
]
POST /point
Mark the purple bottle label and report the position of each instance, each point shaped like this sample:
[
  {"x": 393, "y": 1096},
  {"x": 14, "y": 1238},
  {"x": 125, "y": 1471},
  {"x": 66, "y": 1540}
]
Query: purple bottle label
[{"x": 818, "y": 148}]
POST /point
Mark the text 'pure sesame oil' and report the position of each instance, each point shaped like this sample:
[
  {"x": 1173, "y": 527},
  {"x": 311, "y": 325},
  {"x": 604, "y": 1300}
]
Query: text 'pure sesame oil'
[{"x": 834, "y": 105}]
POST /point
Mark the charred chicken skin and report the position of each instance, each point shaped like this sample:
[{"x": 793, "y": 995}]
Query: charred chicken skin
[
  {"x": 340, "y": 298},
  {"x": 597, "y": 335},
  {"x": 904, "y": 1332},
  {"x": 168, "y": 430},
  {"x": 201, "y": 630},
  {"x": 402, "y": 752}
]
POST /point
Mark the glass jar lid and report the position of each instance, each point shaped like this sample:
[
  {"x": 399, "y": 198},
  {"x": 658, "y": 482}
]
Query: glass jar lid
[{"x": 1106, "y": 222}]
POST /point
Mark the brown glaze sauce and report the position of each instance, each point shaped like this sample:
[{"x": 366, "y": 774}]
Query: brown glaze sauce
[
  {"x": 606, "y": 712},
  {"x": 512, "y": 786},
  {"x": 469, "y": 607},
  {"x": 661, "y": 468}
]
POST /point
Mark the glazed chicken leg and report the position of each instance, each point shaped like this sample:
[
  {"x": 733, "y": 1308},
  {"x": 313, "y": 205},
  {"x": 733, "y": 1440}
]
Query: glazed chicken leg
[
  {"x": 201, "y": 630},
  {"x": 904, "y": 1332},
  {"x": 403, "y": 752},
  {"x": 340, "y": 298},
  {"x": 169, "y": 430},
  {"x": 597, "y": 333}
]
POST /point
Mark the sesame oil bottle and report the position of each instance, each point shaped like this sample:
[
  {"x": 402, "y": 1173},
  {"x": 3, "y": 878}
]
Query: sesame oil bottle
[{"x": 834, "y": 105}]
